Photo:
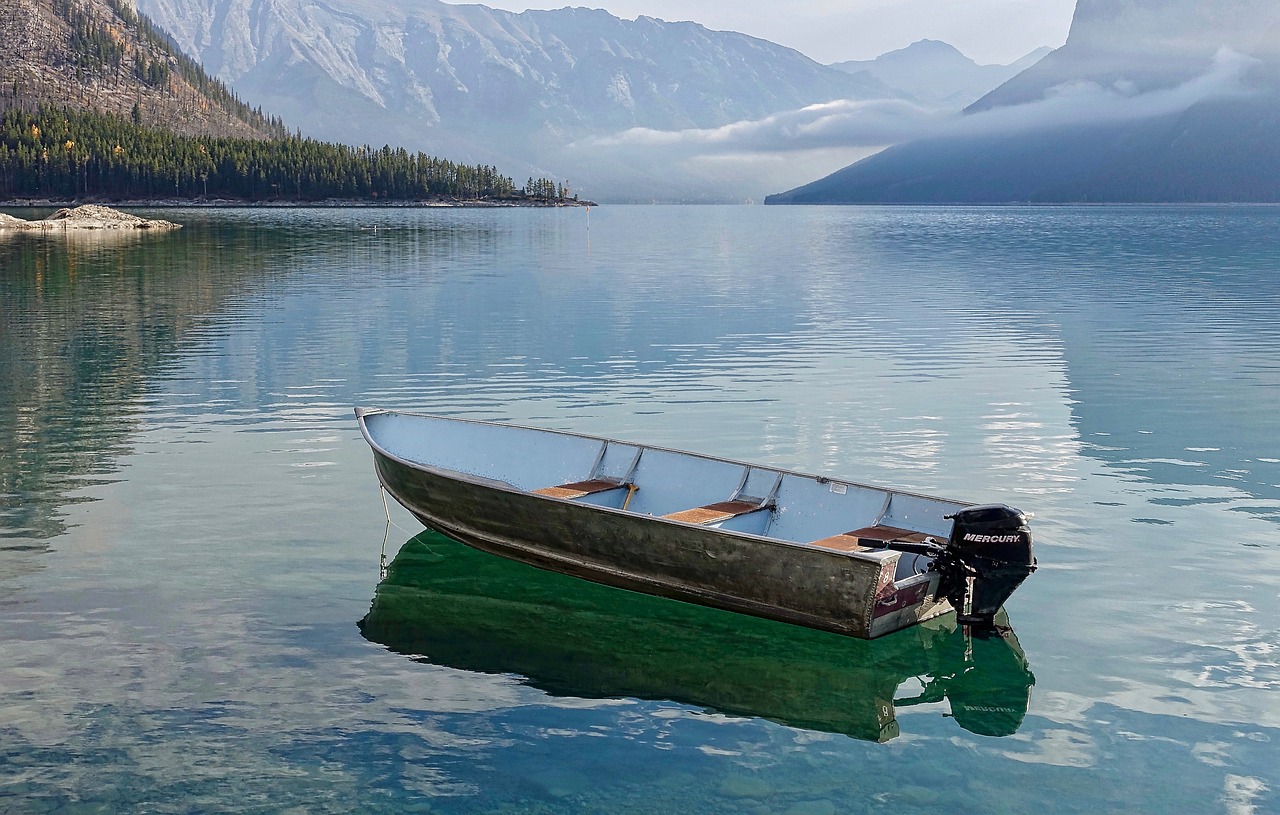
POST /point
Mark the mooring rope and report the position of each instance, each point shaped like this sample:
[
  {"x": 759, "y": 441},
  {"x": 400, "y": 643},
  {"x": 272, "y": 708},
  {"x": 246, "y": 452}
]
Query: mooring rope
[
  {"x": 382, "y": 558},
  {"x": 386, "y": 510}
]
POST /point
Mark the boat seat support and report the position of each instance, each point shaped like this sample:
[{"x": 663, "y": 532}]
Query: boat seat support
[
  {"x": 884, "y": 510},
  {"x": 738, "y": 504},
  {"x": 594, "y": 483}
]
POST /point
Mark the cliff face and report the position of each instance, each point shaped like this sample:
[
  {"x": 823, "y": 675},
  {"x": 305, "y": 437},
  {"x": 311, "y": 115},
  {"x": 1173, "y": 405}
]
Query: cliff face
[
  {"x": 1144, "y": 45},
  {"x": 1148, "y": 101},
  {"x": 1168, "y": 27},
  {"x": 101, "y": 55}
]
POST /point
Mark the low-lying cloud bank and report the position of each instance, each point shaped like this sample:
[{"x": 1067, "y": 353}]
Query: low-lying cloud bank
[
  {"x": 842, "y": 123},
  {"x": 746, "y": 160},
  {"x": 1084, "y": 103}
]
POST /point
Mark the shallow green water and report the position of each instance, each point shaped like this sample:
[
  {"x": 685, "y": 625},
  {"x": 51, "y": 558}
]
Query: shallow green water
[{"x": 190, "y": 529}]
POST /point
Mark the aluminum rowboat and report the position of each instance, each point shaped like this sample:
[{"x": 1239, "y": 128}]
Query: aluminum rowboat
[{"x": 825, "y": 553}]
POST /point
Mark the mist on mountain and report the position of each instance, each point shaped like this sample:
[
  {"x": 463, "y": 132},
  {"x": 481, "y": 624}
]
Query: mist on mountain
[{"x": 1148, "y": 100}]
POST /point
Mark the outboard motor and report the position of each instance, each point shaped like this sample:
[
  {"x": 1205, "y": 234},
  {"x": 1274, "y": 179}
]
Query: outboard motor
[{"x": 988, "y": 556}]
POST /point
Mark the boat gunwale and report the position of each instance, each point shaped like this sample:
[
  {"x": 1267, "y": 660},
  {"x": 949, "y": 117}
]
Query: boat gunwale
[{"x": 496, "y": 484}]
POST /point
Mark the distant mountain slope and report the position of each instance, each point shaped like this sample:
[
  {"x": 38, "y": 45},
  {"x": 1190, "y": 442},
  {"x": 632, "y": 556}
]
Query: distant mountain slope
[
  {"x": 479, "y": 83},
  {"x": 1145, "y": 45},
  {"x": 1149, "y": 100},
  {"x": 937, "y": 74},
  {"x": 101, "y": 55}
]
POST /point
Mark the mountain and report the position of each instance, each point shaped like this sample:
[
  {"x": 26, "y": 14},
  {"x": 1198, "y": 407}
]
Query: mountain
[
  {"x": 1145, "y": 45},
  {"x": 1148, "y": 101},
  {"x": 484, "y": 84},
  {"x": 936, "y": 74},
  {"x": 101, "y": 55}
]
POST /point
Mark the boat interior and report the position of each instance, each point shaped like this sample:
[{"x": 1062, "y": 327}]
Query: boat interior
[{"x": 676, "y": 486}]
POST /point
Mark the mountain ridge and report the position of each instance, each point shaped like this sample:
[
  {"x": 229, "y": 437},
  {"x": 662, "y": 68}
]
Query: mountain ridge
[
  {"x": 598, "y": 72},
  {"x": 936, "y": 73}
]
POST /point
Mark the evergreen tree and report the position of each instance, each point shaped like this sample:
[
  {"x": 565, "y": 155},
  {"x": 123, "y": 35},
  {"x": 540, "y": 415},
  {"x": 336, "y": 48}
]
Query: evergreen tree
[{"x": 56, "y": 153}]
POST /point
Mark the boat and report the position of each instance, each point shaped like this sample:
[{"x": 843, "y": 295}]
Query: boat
[
  {"x": 447, "y": 604},
  {"x": 811, "y": 550}
]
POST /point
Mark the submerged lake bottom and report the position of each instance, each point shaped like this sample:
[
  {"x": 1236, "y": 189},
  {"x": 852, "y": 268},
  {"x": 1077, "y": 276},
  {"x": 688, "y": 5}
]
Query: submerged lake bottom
[{"x": 196, "y": 619}]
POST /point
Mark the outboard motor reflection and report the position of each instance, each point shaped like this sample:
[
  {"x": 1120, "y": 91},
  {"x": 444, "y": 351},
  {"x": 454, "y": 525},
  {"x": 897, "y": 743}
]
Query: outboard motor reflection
[{"x": 984, "y": 677}]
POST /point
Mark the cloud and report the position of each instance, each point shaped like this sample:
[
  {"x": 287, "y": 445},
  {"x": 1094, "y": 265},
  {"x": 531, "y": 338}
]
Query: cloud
[
  {"x": 746, "y": 160},
  {"x": 749, "y": 158},
  {"x": 1076, "y": 103},
  {"x": 877, "y": 123},
  {"x": 842, "y": 123}
]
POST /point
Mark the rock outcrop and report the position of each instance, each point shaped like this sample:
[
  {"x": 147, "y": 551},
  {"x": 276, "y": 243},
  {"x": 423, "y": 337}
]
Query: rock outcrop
[{"x": 89, "y": 216}]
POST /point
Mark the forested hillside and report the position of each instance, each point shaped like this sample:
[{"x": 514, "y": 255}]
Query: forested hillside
[
  {"x": 101, "y": 55},
  {"x": 60, "y": 154}
]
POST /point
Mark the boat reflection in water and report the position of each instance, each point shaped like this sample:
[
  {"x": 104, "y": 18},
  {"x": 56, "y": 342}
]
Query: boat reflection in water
[{"x": 455, "y": 606}]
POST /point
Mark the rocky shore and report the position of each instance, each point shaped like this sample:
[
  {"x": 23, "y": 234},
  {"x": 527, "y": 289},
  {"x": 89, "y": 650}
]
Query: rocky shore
[{"x": 89, "y": 216}]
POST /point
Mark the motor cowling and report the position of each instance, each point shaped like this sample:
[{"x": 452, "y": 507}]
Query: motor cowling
[{"x": 987, "y": 557}]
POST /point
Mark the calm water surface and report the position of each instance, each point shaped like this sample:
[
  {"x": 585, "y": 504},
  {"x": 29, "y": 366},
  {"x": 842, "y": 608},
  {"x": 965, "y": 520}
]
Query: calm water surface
[{"x": 191, "y": 612}]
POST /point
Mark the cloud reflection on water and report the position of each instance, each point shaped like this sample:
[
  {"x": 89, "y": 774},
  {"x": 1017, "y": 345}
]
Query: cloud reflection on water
[{"x": 203, "y": 605}]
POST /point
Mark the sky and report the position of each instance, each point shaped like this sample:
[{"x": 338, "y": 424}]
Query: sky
[{"x": 987, "y": 31}]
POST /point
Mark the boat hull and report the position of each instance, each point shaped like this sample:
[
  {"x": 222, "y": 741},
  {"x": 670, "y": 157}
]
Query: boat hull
[{"x": 848, "y": 593}]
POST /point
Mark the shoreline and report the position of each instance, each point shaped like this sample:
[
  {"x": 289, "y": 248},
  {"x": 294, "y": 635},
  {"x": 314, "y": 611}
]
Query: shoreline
[{"x": 332, "y": 203}]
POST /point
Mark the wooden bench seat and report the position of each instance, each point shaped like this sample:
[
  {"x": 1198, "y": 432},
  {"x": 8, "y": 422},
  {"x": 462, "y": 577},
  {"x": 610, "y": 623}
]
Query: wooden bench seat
[
  {"x": 715, "y": 513},
  {"x": 882, "y": 534},
  {"x": 869, "y": 537},
  {"x": 578, "y": 489},
  {"x": 842, "y": 543}
]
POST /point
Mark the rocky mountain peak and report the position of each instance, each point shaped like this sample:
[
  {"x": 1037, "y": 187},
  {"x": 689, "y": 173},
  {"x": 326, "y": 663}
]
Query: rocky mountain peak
[
  {"x": 935, "y": 73},
  {"x": 487, "y": 84}
]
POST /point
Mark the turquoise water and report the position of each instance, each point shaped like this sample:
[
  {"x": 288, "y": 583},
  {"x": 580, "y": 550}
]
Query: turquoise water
[{"x": 190, "y": 529}]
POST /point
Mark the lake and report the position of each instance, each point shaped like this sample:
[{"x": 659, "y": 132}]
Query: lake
[{"x": 191, "y": 534}]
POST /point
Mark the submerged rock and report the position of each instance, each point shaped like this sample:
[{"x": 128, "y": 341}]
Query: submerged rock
[
  {"x": 88, "y": 216},
  {"x": 562, "y": 783},
  {"x": 812, "y": 808},
  {"x": 745, "y": 786}
]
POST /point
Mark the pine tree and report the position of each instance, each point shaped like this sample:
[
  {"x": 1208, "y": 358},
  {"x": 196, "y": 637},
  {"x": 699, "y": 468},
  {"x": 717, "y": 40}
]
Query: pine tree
[{"x": 56, "y": 152}]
